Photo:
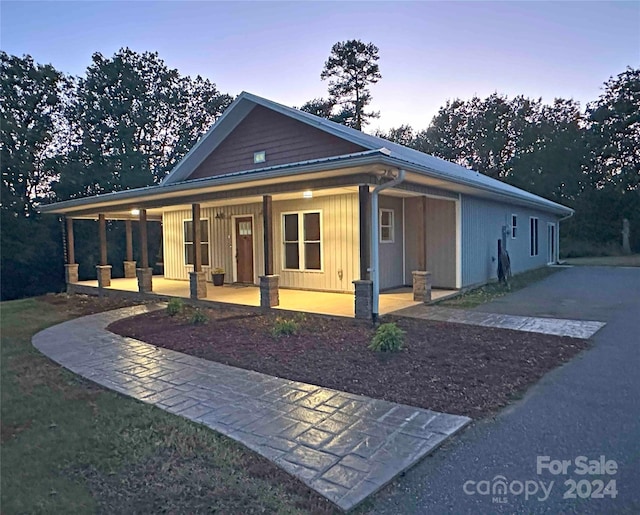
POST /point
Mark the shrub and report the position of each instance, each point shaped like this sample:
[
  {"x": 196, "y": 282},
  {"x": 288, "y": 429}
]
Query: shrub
[
  {"x": 175, "y": 307},
  {"x": 199, "y": 317},
  {"x": 284, "y": 327},
  {"x": 388, "y": 338}
]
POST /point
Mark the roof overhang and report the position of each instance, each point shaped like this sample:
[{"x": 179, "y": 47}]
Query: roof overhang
[{"x": 361, "y": 168}]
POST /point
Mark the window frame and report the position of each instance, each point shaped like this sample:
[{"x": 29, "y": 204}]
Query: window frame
[
  {"x": 392, "y": 226},
  {"x": 534, "y": 236},
  {"x": 185, "y": 242},
  {"x": 514, "y": 225},
  {"x": 301, "y": 241}
]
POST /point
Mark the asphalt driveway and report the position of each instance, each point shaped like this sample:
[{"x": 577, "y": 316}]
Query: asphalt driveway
[{"x": 588, "y": 408}]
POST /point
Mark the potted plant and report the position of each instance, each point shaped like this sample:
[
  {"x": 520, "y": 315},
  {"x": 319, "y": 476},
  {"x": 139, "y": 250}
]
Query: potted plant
[{"x": 218, "y": 276}]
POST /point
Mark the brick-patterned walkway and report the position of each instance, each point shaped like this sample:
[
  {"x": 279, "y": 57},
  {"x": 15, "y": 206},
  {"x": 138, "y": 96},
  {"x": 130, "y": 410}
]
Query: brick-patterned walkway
[{"x": 344, "y": 446}]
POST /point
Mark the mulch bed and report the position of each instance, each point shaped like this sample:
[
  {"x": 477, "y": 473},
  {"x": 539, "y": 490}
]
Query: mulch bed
[{"x": 465, "y": 370}]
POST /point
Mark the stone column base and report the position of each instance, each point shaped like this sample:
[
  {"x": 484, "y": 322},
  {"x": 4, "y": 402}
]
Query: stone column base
[
  {"x": 71, "y": 273},
  {"x": 198, "y": 285},
  {"x": 104, "y": 275},
  {"x": 269, "y": 296},
  {"x": 421, "y": 286},
  {"x": 145, "y": 279},
  {"x": 363, "y": 299},
  {"x": 129, "y": 269}
]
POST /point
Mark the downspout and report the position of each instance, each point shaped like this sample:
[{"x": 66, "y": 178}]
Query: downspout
[
  {"x": 558, "y": 235},
  {"x": 375, "y": 258}
]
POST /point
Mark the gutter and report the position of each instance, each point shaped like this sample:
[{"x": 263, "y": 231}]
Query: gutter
[{"x": 375, "y": 247}]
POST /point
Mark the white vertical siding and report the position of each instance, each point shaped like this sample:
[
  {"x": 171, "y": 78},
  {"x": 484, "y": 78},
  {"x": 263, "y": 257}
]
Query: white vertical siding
[
  {"x": 340, "y": 241},
  {"x": 482, "y": 222},
  {"x": 340, "y": 237}
]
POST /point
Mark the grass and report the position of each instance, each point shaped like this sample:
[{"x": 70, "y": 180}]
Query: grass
[
  {"x": 632, "y": 260},
  {"x": 69, "y": 446},
  {"x": 488, "y": 292}
]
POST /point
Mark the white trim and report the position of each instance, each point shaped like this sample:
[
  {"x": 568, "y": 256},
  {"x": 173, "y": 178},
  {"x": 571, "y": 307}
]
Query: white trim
[
  {"x": 208, "y": 242},
  {"x": 234, "y": 261},
  {"x": 459, "y": 242},
  {"x": 513, "y": 235},
  {"x": 392, "y": 226},
  {"x": 301, "y": 255}
]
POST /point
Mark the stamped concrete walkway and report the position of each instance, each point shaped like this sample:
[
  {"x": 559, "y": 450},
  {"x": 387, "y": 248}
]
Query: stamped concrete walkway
[
  {"x": 544, "y": 325},
  {"x": 344, "y": 446}
]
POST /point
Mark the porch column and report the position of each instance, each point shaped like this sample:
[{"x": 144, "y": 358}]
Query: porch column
[
  {"x": 144, "y": 273},
  {"x": 70, "y": 267},
  {"x": 269, "y": 295},
  {"x": 103, "y": 269},
  {"x": 129, "y": 263},
  {"x": 363, "y": 293},
  {"x": 422, "y": 278},
  {"x": 197, "y": 279}
]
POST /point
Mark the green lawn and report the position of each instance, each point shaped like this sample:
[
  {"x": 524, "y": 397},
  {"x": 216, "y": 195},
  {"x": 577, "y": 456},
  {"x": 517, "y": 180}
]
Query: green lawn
[
  {"x": 69, "y": 446},
  {"x": 633, "y": 260},
  {"x": 488, "y": 292}
]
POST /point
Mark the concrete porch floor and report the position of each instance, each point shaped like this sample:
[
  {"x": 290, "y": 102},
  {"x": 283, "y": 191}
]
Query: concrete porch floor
[{"x": 325, "y": 303}]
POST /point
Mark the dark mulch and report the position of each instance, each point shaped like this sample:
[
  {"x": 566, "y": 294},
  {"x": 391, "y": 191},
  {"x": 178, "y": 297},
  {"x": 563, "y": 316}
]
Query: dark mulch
[
  {"x": 459, "y": 369},
  {"x": 80, "y": 305}
]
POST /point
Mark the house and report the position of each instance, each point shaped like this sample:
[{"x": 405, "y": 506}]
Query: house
[{"x": 283, "y": 199}]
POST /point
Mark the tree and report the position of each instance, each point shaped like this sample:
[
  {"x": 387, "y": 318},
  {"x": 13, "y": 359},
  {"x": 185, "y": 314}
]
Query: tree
[
  {"x": 321, "y": 107},
  {"x": 351, "y": 68},
  {"x": 31, "y": 97},
  {"x": 132, "y": 120},
  {"x": 30, "y": 111},
  {"x": 402, "y": 135}
]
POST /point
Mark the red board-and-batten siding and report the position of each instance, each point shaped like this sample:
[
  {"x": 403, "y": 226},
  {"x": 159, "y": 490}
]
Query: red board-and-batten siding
[{"x": 283, "y": 139}]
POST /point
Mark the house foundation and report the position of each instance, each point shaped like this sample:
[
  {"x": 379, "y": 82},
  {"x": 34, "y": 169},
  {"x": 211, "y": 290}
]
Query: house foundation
[
  {"x": 197, "y": 285},
  {"x": 145, "y": 279},
  {"x": 421, "y": 286},
  {"x": 104, "y": 275},
  {"x": 269, "y": 295},
  {"x": 363, "y": 299},
  {"x": 129, "y": 269}
]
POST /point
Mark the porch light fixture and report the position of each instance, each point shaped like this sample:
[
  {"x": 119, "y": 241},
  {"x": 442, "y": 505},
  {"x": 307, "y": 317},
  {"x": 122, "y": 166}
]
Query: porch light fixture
[
  {"x": 135, "y": 212},
  {"x": 219, "y": 216},
  {"x": 307, "y": 194}
]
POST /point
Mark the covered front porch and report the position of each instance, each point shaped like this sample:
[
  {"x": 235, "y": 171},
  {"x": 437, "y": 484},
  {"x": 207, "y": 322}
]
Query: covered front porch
[{"x": 324, "y": 303}]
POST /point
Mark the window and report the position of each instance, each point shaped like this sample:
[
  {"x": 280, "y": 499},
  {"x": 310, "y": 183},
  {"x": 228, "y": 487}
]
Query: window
[
  {"x": 386, "y": 226},
  {"x": 204, "y": 241},
  {"x": 533, "y": 236},
  {"x": 514, "y": 226},
  {"x": 302, "y": 241}
]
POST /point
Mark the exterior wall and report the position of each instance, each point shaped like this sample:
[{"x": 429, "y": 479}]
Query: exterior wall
[
  {"x": 340, "y": 248},
  {"x": 482, "y": 222},
  {"x": 440, "y": 240},
  {"x": 220, "y": 240},
  {"x": 285, "y": 141},
  {"x": 391, "y": 254},
  {"x": 340, "y": 236}
]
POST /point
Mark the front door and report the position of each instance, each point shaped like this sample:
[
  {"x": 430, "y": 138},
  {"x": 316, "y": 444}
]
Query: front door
[{"x": 244, "y": 249}]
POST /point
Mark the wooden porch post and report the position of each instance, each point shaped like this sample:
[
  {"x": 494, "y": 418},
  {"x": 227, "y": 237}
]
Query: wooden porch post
[
  {"x": 129, "y": 263},
  {"x": 70, "y": 267},
  {"x": 197, "y": 279},
  {"x": 422, "y": 234},
  {"x": 143, "y": 272},
  {"x": 365, "y": 232},
  {"x": 267, "y": 212},
  {"x": 103, "y": 269},
  {"x": 197, "y": 238},
  {"x": 269, "y": 294}
]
